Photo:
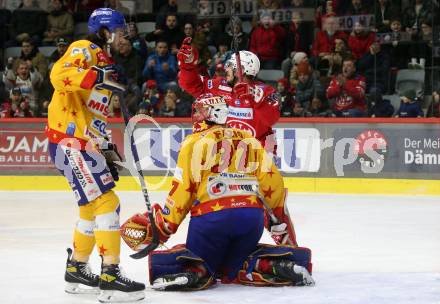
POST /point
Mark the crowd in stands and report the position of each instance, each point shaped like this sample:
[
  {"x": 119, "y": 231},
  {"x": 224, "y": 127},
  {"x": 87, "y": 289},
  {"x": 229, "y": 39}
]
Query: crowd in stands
[{"x": 329, "y": 68}]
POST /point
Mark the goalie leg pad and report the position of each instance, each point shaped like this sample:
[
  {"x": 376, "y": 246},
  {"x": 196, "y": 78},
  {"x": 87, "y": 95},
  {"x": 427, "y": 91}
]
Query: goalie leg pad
[
  {"x": 248, "y": 276},
  {"x": 178, "y": 260}
]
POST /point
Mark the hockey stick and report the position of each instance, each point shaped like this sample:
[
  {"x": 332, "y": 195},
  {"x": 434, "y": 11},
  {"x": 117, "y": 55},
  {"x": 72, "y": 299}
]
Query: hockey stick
[
  {"x": 235, "y": 45},
  {"x": 155, "y": 238}
]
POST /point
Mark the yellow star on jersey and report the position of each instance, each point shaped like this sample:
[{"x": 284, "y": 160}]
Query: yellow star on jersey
[{"x": 217, "y": 207}]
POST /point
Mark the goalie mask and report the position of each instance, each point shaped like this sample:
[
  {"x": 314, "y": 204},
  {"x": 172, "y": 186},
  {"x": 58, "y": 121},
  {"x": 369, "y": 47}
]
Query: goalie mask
[{"x": 210, "y": 108}]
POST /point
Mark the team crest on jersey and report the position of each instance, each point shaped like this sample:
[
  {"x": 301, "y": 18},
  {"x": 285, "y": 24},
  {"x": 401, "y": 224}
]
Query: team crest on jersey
[{"x": 242, "y": 125}]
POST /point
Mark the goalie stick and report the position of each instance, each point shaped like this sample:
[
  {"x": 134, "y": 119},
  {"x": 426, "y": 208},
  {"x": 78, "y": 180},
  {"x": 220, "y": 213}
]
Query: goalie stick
[{"x": 155, "y": 237}]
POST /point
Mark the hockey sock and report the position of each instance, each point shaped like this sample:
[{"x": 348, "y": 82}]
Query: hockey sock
[
  {"x": 107, "y": 234},
  {"x": 83, "y": 237}
]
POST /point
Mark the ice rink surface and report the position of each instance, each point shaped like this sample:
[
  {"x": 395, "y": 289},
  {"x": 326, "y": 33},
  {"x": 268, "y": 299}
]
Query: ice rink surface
[{"x": 366, "y": 250}]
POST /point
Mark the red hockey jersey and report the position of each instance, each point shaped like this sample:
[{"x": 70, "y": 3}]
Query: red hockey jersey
[{"x": 256, "y": 117}]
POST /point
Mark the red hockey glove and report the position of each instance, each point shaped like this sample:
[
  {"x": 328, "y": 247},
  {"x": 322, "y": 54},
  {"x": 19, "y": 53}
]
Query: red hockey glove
[
  {"x": 187, "y": 55},
  {"x": 137, "y": 232},
  {"x": 243, "y": 92}
]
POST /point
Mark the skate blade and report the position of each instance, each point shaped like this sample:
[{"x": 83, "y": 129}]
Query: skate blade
[
  {"x": 161, "y": 284},
  {"x": 116, "y": 296},
  {"x": 77, "y": 288}
]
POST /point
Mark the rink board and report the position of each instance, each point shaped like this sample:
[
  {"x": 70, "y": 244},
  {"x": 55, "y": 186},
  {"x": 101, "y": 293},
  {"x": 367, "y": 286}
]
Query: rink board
[{"x": 294, "y": 184}]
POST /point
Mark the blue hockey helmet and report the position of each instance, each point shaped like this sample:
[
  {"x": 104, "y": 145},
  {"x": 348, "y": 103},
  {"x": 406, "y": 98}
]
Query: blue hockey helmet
[{"x": 105, "y": 17}]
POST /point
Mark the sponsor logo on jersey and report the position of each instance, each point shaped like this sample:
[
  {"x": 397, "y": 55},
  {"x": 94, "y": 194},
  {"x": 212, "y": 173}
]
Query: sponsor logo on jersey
[
  {"x": 169, "y": 201},
  {"x": 98, "y": 103},
  {"x": 99, "y": 126},
  {"x": 210, "y": 84},
  {"x": 106, "y": 178},
  {"x": 84, "y": 51},
  {"x": 242, "y": 125},
  {"x": 243, "y": 113},
  {"x": 233, "y": 175},
  {"x": 93, "y": 46},
  {"x": 219, "y": 187},
  {"x": 216, "y": 189}
]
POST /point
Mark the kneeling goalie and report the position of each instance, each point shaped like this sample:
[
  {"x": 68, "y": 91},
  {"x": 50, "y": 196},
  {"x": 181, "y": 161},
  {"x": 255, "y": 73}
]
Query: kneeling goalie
[{"x": 222, "y": 177}]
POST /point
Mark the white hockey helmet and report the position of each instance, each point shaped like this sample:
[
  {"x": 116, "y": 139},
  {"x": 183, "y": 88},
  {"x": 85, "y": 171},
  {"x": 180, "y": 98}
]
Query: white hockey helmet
[
  {"x": 249, "y": 62},
  {"x": 210, "y": 107}
]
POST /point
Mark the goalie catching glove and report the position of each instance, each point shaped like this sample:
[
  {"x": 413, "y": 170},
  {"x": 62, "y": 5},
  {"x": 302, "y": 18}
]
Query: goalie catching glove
[{"x": 137, "y": 231}]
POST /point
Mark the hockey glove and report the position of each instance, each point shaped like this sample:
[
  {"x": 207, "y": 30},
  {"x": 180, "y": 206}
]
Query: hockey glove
[
  {"x": 137, "y": 231},
  {"x": 111, "y": 154},
  {"x": 187, "y": 55},
  {"x": 243, "y": 92},
  {"x": 110, "y": 77}
]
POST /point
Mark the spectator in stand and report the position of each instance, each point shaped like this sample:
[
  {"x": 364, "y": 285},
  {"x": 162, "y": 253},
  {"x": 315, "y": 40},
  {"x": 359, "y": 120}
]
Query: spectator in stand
[
  {"x": 358, "y": 7},
  {"x": 397, "y": 43},
  {"x": 235, "y": 27},
  {"x": 326, "y": 9},
  {"x": 267, "y": 42},
  {"x": 59, "y": 23},
  {"x": 137, "y": 42},
  {"x": 409, "y": 105},
  {"x": 360, "y": 40},
  {"x": 298, "y": 110},
  {"x": 117, "y": 6},
  {"x": 200, "y": 42},
  {"x": 20, "y": 104},
  {"x": 161, "y": 66},
  {"x": 25, "y": 77},
  {"x": 384, "y": 11},
  {"x": 5, "y": 110},
  {"x": 293, "y": 74},
  {"x": 169, "y": 8},
  {"x": 347, "y": 90},
  {"x": 44, "y": 108},
  {"x": 188, "y": 30},
  {"x": 132, "y": 63},
  {"x": 318, "y": 107},
  {"x": 375, "y": 66},
  {"x": 434, "y": 106},
  {"x": 114, "y": 108},
  {"x": 62, "y": 46},
  {"x": 299, "y": 38},
  {"x": 151, "y": 97},
  {"x": 145, "y": 109},
  {"x": 286, "y": 97},
  {"x": 27, "y": 21},
  {"x": 413, "y": 14},
  {"x": 324, "y": 42},
  {"x": 307, "y": 86},
  {"x": 339, "y": 54},
  {"x": 379, "y": 107},
  {"x": 169, "y": 107},
  {"x": 30, "y": 53},
  {"x": 170, "y": 33},
  {"x": 421, "y": 48}
]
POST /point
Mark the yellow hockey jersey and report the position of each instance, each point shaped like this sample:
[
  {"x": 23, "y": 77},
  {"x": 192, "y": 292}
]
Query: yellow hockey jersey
[
  {"x": 221, "y": 168},
  {"x": 77, "y": 109}
]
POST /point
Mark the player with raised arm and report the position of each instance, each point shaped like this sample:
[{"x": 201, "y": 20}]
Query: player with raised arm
[
  {"x": 253, "y": 105},
  {"x": 84, "y": 80},
  {"x": 220, "y": 175}
]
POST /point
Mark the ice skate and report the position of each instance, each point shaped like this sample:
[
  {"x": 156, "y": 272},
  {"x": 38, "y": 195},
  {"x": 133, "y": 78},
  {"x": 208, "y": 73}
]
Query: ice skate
[
  {"x": 116, "y": 288},
  {"x": 289, "y": 270},
  {"x": 79, "y": 278},
  {"x": 175, "y": 281}
]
